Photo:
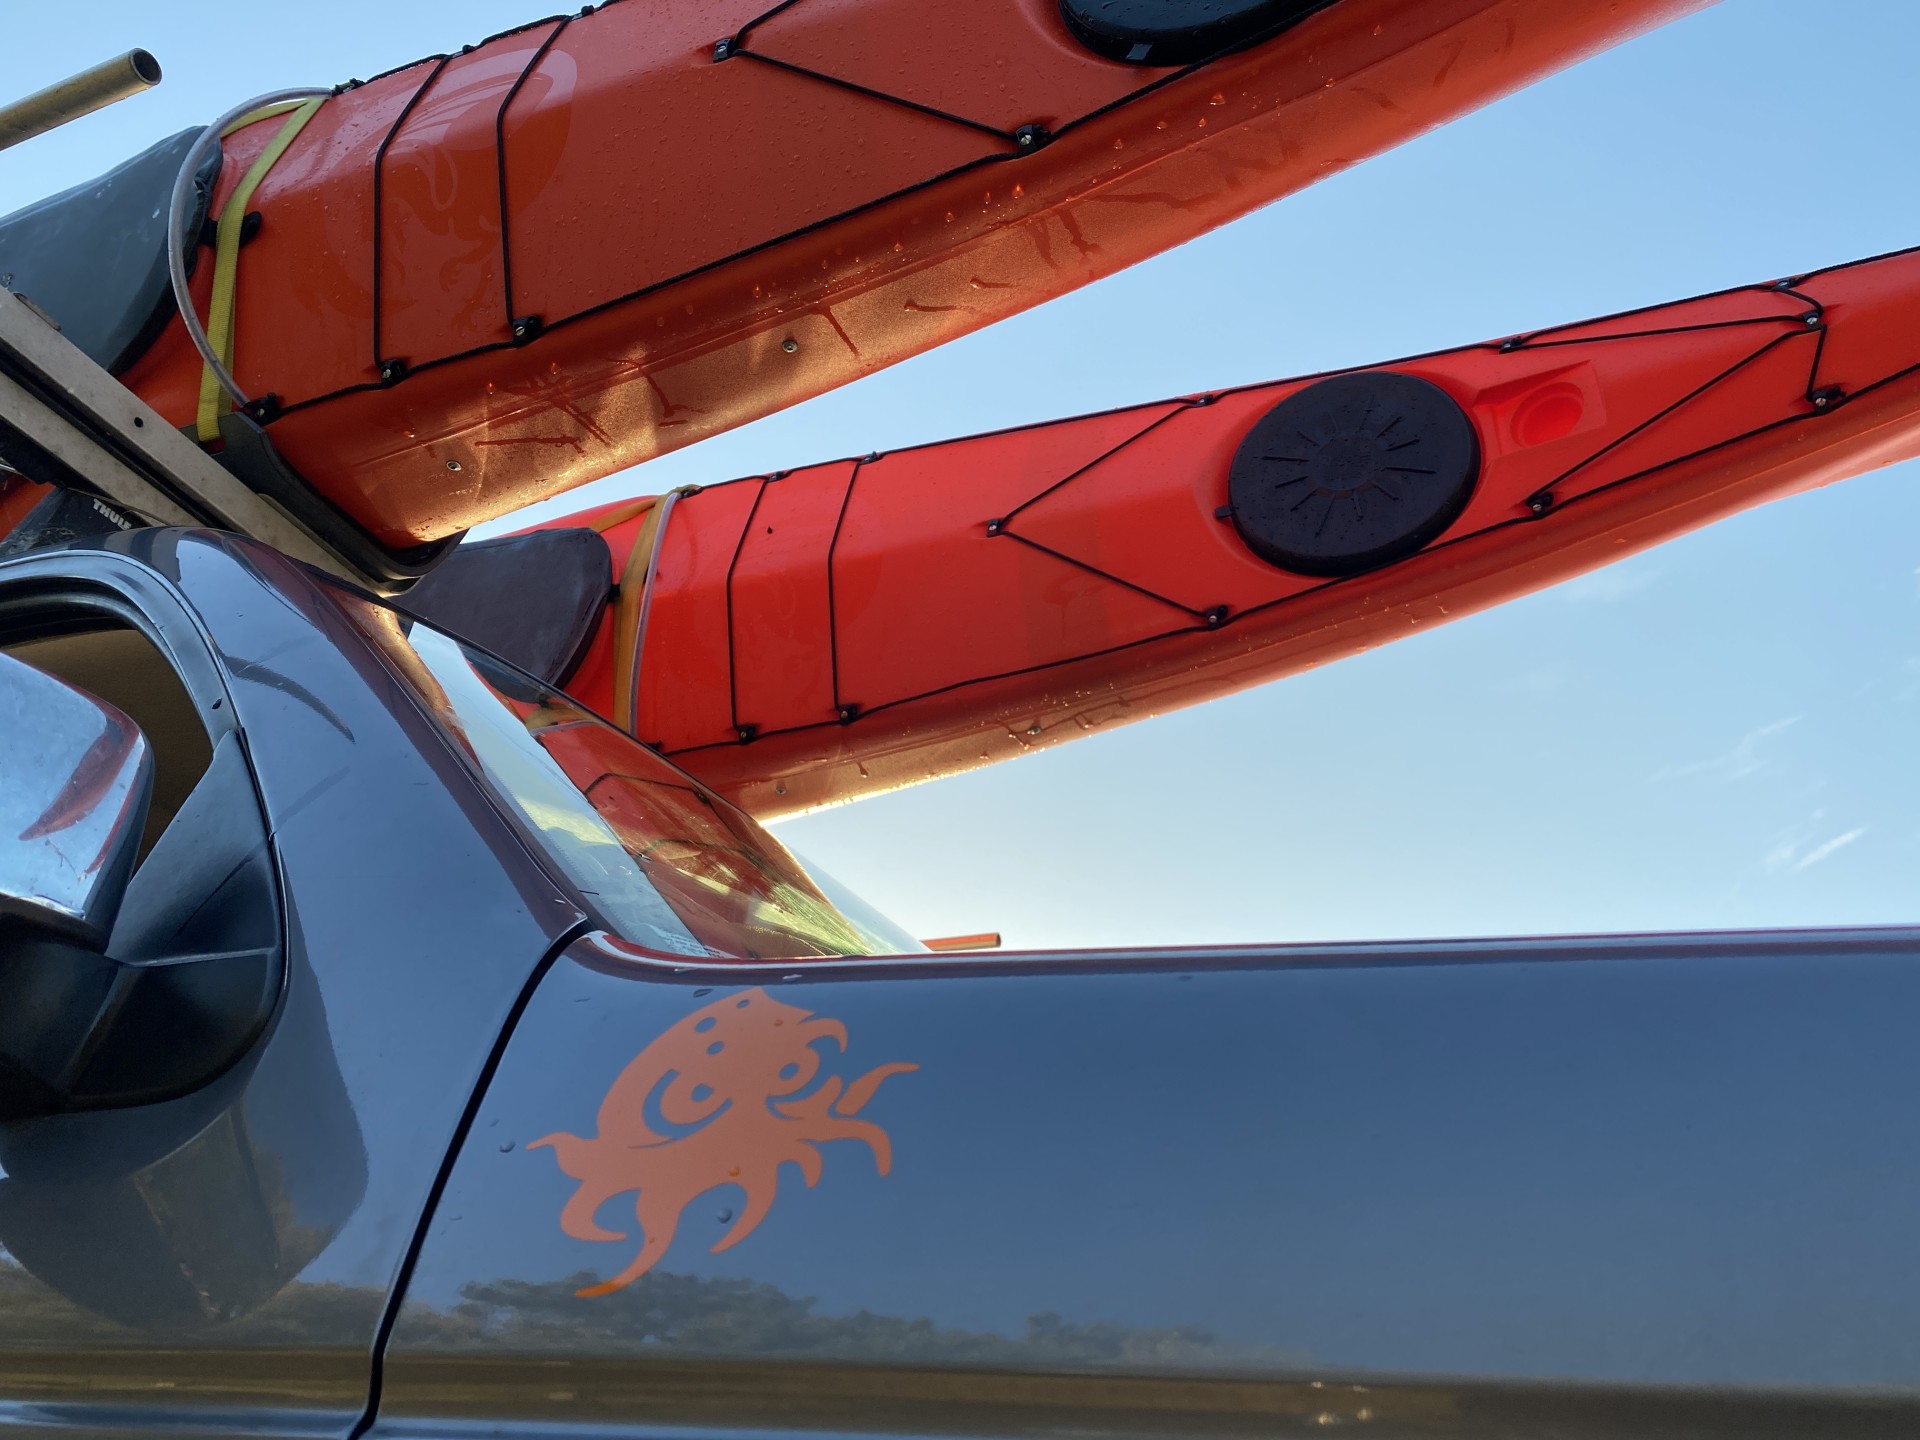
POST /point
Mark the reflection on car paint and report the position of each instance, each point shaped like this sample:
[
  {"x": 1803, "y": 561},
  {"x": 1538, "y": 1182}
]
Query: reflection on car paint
[
  {"x": 715, "y": 1083},
  {"x": 666, "y": 861}
]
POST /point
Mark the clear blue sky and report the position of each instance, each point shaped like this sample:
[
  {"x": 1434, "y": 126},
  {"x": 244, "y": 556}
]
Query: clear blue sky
[{"x": 1718, "y": 733}]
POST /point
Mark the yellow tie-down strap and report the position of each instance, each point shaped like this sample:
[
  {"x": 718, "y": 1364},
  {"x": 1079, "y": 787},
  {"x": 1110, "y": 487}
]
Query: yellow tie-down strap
[
  {"x": 635, "y": 592},
  {"x": 226, "y": 253}
]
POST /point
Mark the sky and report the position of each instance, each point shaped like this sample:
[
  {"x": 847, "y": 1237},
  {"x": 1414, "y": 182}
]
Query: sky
[{"x": 1714, "y": 734}]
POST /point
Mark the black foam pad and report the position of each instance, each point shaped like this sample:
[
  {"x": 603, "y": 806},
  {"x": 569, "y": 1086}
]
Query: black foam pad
[
  {"x": 534, "y": 599},
  {"x": 94, "y": 258}
]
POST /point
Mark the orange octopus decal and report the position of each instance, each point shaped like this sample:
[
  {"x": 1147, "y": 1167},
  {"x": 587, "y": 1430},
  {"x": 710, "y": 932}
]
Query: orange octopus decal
[{"x": 727, "y": 1071}]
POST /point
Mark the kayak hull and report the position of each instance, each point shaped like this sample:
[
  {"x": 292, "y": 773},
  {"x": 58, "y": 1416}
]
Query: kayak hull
[
  {"x": 848, "y": 628},
  {"x": 484, "y": 279}
]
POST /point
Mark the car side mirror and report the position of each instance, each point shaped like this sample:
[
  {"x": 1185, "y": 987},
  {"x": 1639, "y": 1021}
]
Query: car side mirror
[{"x": 76, "y": 777}]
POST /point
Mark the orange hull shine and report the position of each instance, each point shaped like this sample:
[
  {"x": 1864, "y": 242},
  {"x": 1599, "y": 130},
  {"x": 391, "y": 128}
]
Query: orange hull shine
[
  {"x": 847, "y": 628},
  {"x": 685, "y": 243}
]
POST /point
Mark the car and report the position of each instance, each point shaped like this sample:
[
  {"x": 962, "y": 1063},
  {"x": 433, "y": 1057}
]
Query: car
[{"x": 432, "y": 1059}]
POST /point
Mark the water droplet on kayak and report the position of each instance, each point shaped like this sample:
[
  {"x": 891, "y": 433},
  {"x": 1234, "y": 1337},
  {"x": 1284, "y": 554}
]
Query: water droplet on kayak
[
  {"x": 725, "y": 1215},
  {"x": 1216, "y": 98},
  {"x": 506, "y": 1147}
]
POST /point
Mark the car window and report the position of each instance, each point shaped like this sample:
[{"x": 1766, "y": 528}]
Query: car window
[{"x": 666, "y": 862}]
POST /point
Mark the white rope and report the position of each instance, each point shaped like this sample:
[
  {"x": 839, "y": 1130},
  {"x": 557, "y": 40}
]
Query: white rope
[{"x": 177, "y": 242}]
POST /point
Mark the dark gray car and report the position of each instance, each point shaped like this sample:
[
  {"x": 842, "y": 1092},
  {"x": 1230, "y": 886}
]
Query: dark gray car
[{"x": 452, "y": 1065}]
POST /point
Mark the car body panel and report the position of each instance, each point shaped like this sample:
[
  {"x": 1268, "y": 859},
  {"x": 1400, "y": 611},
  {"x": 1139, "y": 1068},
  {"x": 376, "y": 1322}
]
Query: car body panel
[{"x": 1646, "y": 1186}]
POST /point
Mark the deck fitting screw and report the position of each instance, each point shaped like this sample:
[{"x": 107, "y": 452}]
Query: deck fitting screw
[
  {"x": 994, "y": 527},
  {"x": 1540, "y": 504},
  {"x": 849, "y": 713},
  {"x": 453, "y": 464},
  {"x": 1216, "y": 617},
  {"x": 723, "y": 49},
  {"x": 789, "y": 345},
  {"x": 1812, "y": 317}
]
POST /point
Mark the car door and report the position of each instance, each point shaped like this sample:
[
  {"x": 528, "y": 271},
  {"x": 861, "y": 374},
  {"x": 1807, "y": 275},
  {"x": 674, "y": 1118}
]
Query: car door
[{"x": 222, "y": 1259}]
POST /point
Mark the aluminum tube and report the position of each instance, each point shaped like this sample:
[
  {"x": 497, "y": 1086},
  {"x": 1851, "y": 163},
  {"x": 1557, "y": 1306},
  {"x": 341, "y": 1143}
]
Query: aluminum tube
[{"x": 78, "y": 95}]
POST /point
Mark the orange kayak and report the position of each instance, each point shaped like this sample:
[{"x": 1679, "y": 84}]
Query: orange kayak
[
  {"x": 808, "y": 637},
  {"x": 488, "y": 277}
]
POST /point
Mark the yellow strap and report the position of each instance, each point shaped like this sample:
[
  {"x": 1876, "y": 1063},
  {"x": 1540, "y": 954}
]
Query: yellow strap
[
  {"x": 265, "y": 112},
  {"x": 612, "y": 518},
  {"x": 626, "y": 614},
  {"x": 226, "y": 254}
]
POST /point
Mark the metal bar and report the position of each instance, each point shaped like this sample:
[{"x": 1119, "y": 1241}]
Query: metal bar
[
  {"x": 65, "y": 456},
  {"x": 78, "y": 95},
  {"x": 93, "y": 429}
]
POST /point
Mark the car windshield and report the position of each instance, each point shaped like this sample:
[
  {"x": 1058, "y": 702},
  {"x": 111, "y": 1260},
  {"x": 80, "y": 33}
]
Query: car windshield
[{"x": 666, "y": 862}]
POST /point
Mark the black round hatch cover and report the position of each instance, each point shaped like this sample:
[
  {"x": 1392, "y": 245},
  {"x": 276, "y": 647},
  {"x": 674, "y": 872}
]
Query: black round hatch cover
[
  {"x": 1353, "y": 472},
  {"x": 1177, "y": 32}
]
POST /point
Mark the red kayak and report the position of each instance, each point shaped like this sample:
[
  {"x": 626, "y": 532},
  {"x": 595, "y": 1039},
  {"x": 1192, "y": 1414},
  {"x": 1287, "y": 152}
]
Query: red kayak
[
  {"x": 808, "y": 637},
  {"x": 491, "y": 276}
]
